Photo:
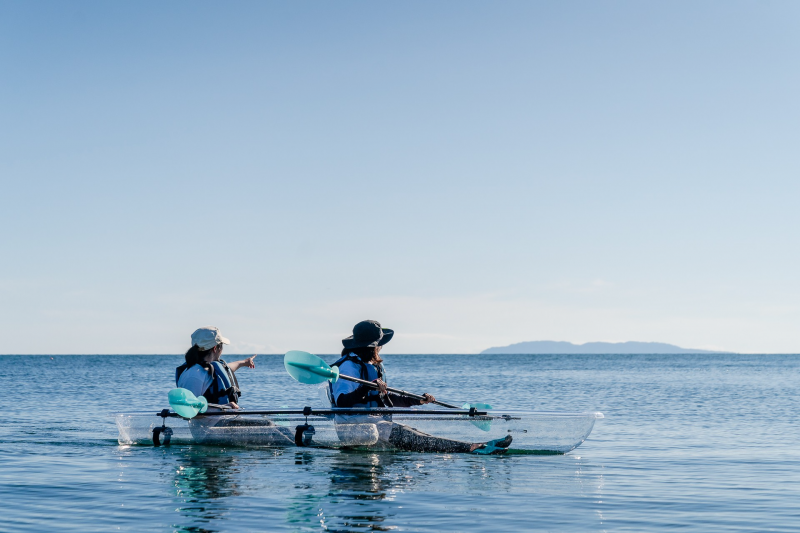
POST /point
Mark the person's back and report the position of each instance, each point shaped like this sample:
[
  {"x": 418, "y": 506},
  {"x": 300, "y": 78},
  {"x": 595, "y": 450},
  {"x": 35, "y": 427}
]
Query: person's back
[{"x": 213, "y": 380}]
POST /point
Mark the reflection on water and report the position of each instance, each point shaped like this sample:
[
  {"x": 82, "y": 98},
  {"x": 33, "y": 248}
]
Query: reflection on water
[
  {"x": 361, "y": 476},
  {"x": 359, "y": 481},
  {"x": 202, "y": 479},
  {"x": 359, "y": 493},
  {"x": 304, "y": 510},
  {"x": 345, "y": 490},
  {"x": 210, "y": 489}
]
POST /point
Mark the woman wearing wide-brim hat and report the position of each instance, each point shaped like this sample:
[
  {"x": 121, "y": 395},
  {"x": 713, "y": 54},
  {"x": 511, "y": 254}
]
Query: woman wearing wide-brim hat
[{"x": 361, "y": 359}]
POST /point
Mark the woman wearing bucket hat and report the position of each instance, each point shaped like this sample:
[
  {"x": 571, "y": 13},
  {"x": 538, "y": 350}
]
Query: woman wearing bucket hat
[
  {"x": 206, "y": 374},
  {"x": 361, "y": 359}
]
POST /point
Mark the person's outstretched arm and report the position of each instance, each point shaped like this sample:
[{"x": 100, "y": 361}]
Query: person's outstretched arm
[{"x": 249, "y": 363}]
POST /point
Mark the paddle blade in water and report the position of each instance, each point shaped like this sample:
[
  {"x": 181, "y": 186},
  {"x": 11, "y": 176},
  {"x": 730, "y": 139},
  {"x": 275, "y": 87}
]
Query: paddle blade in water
[
  {"x": 308, "y": 368},
  {"x": 483, "y": 425},
  {"x": 478, "y": 406},
  {"x": 186, "y": 404}
]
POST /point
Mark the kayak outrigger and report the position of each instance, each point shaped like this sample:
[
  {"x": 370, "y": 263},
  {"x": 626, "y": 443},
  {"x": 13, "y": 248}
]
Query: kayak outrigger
[{"x": 506, "y": 431}]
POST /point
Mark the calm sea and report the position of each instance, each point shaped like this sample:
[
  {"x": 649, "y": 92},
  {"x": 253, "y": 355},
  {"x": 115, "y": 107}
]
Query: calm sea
[{"x": 696, "y": 443}]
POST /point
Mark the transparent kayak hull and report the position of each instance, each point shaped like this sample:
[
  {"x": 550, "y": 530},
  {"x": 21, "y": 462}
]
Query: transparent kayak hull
[{"x": 531, "y": 431}]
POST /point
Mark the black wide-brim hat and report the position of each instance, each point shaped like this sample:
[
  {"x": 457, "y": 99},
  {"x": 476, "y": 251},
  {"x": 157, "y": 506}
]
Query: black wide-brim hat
[{"x": 368, "y": 334}]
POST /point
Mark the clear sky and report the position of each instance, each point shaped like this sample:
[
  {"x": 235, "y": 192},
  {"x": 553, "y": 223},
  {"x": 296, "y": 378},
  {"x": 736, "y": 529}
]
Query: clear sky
[{"x": 470, "y": 174}]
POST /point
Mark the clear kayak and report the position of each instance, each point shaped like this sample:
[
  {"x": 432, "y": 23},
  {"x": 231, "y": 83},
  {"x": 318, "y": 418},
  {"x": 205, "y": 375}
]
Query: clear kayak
[{"x": 532, "y": 432}]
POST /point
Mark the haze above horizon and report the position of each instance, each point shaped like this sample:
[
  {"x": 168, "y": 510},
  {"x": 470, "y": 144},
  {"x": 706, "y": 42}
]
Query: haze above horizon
[{"x": 469, "y": 174}]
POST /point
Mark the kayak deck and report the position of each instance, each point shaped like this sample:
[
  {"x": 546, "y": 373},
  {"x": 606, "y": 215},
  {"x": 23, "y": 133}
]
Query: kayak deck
[{"x": 539, "y": 432}]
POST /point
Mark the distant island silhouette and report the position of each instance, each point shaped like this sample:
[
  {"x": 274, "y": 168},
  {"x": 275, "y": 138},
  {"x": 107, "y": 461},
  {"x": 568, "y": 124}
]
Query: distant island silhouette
[{"x": 560, "y": 347}]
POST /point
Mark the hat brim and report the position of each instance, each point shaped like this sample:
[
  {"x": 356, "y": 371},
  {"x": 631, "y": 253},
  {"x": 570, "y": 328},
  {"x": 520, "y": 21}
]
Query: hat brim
[
  {"x": 213, "y": 344},
  {"x": 387, "y": 336},
  {"x": 351, "y": 342}
]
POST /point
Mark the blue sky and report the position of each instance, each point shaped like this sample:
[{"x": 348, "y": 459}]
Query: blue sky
[{"x": 470, "y": 174}]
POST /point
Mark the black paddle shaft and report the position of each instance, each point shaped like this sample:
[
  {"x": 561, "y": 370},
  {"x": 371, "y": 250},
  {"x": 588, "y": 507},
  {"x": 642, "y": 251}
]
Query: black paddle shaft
[
  {"x": 420, "y": 414},
  {"x": 372, "y": 385}
]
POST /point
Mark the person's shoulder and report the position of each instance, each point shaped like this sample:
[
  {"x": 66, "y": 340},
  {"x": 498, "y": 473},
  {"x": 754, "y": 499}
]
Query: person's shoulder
[
  {"x": 349, "y": 363},
  {"x": 350, "y": 368},
  {"x": 194, "y": 371}
]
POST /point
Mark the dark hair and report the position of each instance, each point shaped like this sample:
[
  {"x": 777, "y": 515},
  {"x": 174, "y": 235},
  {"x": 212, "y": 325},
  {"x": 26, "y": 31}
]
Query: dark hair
[
  {"x": 367, "y": 354},
  {"x": 196, "y": 356}
]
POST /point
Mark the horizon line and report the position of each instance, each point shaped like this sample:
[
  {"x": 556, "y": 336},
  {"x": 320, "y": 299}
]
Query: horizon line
[{"x": 419, "y": 353}]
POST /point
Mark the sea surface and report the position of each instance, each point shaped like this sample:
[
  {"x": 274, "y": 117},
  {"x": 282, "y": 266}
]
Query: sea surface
[{"x": 688, "y": 442}]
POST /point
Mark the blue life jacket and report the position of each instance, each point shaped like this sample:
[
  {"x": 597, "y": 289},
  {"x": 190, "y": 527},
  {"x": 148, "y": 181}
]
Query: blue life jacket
[
  {"x": 224, "y": 386},
  {"x": 363, "y": 374}
]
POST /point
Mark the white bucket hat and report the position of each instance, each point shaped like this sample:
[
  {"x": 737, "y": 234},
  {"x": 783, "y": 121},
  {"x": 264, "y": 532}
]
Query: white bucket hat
[{"x": 207, "y": 337}]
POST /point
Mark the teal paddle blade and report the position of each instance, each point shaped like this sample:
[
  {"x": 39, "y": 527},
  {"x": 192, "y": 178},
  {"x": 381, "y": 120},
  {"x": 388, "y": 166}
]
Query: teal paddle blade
[
  {"x": 483, "y": 425},
  {"x": 478, "y": 406},
  {"x": 308, "y": 368},
  {"x": 186, "y": 404},
  {"x": 281, "y": 420}
]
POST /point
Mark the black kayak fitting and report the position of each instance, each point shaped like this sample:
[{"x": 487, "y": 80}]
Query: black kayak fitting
[
  {"x": 164, "y": 431},
  {"x": 304, "y": 433}
]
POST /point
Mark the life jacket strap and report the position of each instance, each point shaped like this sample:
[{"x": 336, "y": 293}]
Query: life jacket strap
[
  {"x": 363, "y": 374},
  {"x": 223, "y": 382}
]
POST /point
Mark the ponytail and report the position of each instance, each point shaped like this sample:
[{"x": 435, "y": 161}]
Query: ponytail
[{"x": 196, "y": 356}]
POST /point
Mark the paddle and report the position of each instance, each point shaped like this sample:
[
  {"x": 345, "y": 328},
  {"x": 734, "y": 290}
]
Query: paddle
[
  {"x": 309, "y": 369},
  {"x": 187, "y": 404},
  {"x": 483, "y": 425}
]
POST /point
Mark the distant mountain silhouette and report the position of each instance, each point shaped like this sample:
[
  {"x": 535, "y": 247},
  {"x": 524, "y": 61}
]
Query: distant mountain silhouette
[{"x": 558, "y": 347}]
